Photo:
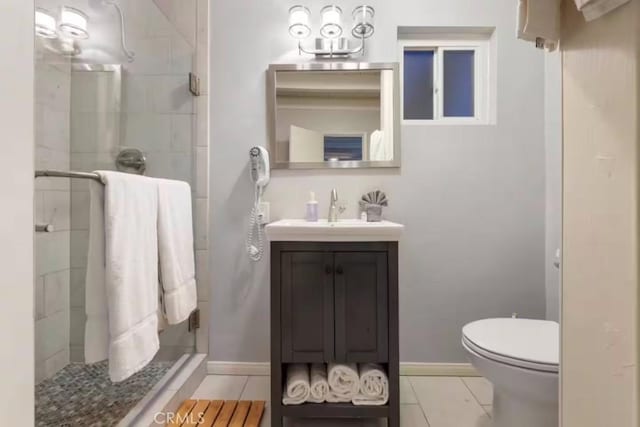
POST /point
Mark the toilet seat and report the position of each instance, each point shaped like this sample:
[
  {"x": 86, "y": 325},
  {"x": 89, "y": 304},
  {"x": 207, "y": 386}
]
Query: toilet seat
[{"x": 523, "y": 343}]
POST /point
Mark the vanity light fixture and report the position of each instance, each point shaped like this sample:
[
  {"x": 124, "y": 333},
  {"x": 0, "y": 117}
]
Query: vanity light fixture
[
  {"x": 45, "y": 24},
  {"x": 363, "y": 22},
  {"x": 331, "y": 43},
  {"x": 73, "y": 23},
  {"x": 331, "y": 22},
  {"x": 299, "y": 26}
]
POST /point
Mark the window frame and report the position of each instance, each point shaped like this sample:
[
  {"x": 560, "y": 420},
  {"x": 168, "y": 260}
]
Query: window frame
[{"x": 481, "y": 83}]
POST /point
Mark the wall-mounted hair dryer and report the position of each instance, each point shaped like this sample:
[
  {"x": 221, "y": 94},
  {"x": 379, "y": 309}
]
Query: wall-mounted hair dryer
[{"x": 259, "y": 169}]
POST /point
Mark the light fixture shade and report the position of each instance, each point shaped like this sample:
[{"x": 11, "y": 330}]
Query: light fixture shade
[
  {"x": 73, "y": 23},
  {"x": 45, "y": 24},
  {"x": 363, "y": 21},
  {"x": 299, "y": 26},
  {"x": 331, "y": 22}
]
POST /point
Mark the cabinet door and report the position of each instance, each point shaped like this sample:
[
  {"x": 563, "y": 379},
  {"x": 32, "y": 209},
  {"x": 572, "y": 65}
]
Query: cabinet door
[
  {"x": 307, "y": 307},
  {"x": 361, "y": 309}
]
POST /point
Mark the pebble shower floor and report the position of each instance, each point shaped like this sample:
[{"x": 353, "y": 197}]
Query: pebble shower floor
[{"x": 83, "y": 395}]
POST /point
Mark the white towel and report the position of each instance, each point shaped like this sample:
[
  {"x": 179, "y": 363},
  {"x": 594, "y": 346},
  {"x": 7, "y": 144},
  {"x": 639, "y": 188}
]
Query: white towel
[
  {"x": 297, "y": 389},
  {"x": 538, "y": 21},
  {"x": 593, "y": 9},
  {"x": 378, "y": 147},
  {"x": 175, "y": 245},
  {"x": 374, "y": 386},
  {"x": 318, "y": 381},
  {"x": 130, "y": 267},
  {"x": 344, "y": 382}
]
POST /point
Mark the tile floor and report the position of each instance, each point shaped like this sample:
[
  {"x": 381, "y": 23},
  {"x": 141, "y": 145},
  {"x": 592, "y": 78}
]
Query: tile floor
[
  {"x": 83, "y": 395},
  {"x": 425, "y": 401}
]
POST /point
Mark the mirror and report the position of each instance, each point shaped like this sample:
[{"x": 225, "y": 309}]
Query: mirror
[{"x": 341, "y": 115}]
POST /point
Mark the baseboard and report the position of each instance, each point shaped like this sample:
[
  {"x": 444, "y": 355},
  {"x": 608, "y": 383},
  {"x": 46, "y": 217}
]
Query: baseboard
[
  {"x": 406, "y": 368},
  {"x": 438, "y": 369},
  {"x": 238, "y": 368}
]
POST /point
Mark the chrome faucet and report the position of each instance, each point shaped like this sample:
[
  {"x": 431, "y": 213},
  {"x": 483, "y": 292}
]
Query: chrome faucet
[{"x": 333, "y": 208}]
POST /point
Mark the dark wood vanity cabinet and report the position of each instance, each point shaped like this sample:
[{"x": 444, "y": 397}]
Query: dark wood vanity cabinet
[
  {"x": 334, "y": 302},
  {"x": 306, "y": 314}
]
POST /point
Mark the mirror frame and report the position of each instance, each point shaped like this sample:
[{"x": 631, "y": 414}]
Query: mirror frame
[{"x": 272, "y": 114}]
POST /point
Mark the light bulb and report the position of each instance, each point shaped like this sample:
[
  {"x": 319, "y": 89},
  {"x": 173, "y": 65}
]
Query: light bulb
[
  {"x": 73, "y": 23},
  {"x": 45, "y": 24},
  {"x": 331, "y": 22},
  {"x": 363, "y": 22},
  {"x": 299, "y": 26}
]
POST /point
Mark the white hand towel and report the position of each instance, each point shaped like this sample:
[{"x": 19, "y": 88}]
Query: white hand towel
[
  {"x": 175, "y": 245},
  {"x": 374, "y": 386},
  {"x": 130, "y": 263},
  {"x": 344, "y": 382},
  {"x": 378, "y": 150},
  {"x": 593, "y": 9},
  {"x": 319, "y": 385},
  {"x": 297, "y": 388},
  {"x": 539, "y": 21}
]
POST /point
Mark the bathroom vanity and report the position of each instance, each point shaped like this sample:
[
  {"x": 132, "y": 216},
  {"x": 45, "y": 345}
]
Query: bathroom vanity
[{"x": 334, "y": 298}]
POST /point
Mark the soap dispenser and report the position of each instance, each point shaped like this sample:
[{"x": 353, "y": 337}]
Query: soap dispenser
[{"x": 312, "y": 208}]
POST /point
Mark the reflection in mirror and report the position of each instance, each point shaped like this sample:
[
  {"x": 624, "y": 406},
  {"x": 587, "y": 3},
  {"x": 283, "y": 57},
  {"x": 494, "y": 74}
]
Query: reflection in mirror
[{"x": 335, "y": 118}]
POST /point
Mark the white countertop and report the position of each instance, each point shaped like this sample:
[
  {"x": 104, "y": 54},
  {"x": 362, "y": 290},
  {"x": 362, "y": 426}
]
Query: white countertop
[{"x": 345, "y": 230}]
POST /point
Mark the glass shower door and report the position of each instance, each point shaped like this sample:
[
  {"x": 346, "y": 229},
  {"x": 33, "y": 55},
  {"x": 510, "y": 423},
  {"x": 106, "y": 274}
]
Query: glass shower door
[{"x": 93, "y": 100}]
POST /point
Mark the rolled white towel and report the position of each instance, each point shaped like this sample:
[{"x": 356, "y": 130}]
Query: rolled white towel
[
  {"x": 344, "y": 382},
  {"x": 319, "y": 384},
  {"x": 298, "y": 388},
  {"x": 374, "y": 386}
]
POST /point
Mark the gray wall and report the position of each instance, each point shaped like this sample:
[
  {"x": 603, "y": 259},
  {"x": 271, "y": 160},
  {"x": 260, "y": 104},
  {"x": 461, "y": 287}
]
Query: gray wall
[{"x": 472, "y": 197}]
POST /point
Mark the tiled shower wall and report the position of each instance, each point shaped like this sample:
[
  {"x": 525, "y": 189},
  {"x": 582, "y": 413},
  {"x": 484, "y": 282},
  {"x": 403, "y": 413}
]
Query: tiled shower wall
[
  {"x": 178, "y": 12},
  {"x": 52, "y": 205},
  {"x": 95, "y": 136},
  {"x": 157, "y": 115},
  {"x": 202, "y": 174}
]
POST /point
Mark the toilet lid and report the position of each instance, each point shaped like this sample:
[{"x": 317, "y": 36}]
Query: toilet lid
[{"x": 522, "y": 342}]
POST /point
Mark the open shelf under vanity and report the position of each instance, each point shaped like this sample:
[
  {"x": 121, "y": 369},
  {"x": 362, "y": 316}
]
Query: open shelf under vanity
[{"x": 334, "y": 410}]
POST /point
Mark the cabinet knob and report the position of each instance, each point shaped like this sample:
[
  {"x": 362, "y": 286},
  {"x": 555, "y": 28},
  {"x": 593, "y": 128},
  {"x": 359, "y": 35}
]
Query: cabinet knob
[
  {"x": 327, "y": 269},
  {"x": 339, "y": 270}
]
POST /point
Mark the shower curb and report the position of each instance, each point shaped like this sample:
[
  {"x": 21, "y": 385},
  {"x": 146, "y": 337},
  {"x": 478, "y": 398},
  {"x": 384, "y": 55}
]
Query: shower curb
[{"x": 177, "y": 385}]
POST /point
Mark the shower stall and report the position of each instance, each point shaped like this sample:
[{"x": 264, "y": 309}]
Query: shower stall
[{"x": 115, "y": 89}]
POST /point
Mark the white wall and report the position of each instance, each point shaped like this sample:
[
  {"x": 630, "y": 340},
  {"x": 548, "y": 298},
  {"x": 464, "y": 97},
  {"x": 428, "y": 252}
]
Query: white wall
[
  {"x": 472, "y": 197},
  {"x": 600, "y": 283},
  {"x": 553, "y": 179},
  {"x": 16, "y": 216}
]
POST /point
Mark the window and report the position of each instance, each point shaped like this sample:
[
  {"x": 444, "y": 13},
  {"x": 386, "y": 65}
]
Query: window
[
  {"x": 445, "y": 81},
  {"x": 418, "y": 88},
  {"x": 343, "y": 147}
]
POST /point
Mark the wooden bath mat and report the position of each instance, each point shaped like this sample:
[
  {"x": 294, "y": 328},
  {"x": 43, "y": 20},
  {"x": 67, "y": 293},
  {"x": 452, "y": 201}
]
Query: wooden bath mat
[{"x": 219, "y": 413}]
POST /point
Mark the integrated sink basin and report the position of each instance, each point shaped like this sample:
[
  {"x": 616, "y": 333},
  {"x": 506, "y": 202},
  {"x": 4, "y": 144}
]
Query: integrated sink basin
[{"x": 344, "y": 230}]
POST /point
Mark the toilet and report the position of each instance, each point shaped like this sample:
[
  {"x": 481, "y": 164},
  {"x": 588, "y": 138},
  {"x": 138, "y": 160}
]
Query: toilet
[{"x": 521, "y": 358}]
